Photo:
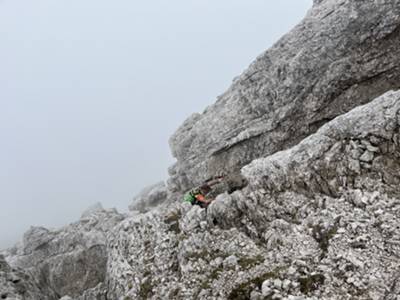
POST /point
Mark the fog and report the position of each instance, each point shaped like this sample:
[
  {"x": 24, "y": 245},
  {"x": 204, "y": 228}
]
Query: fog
[{"x": 91, "y": 90}]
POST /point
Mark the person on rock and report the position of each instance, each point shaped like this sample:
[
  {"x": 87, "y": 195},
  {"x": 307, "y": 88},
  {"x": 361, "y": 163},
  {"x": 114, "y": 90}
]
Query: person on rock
[{"x": 197, "y": 196}]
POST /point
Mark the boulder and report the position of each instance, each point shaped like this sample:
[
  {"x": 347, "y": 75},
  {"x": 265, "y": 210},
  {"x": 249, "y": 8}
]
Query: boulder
[
  {"x": 149, "y": 197},
  {"x": 16, "y": 284},
  {"x": 71, "y": 260}
]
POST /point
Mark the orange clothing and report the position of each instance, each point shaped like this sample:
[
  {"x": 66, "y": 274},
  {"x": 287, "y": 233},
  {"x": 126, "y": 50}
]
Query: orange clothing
[{"x": 200, "y": 197}]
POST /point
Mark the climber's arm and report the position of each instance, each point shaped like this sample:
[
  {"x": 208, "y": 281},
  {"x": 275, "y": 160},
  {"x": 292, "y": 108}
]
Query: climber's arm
[
  {"x": 215, "y": 181},
  {"x": 201, "y": 198}
]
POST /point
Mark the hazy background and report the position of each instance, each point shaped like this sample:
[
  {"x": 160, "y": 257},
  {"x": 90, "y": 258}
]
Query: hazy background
[{"x": 91, "y": 90}]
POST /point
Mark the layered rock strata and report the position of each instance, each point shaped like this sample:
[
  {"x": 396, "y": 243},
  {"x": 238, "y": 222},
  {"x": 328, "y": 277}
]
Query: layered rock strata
[
  {"x": 309, "y": 139},
  {"x": 343, "y": 54},
  {"x": 318, "y": 221}
]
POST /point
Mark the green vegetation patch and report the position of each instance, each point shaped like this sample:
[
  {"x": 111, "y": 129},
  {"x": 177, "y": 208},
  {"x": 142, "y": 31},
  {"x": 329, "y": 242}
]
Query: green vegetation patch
[
  {"x": 243, "y": 290},
  {"x": 323, "y": 237},
  {"x": 215, "y": 273},
  {"x": 203, "y": 254},
  {"x": 311, "y": 283},
  {"x": 173, "y": 221},
  {"x": 173, "y": 217},
  {"x": 249, "y": 262},
  {"x": 146, "y": 289},
  {"x": 174, "y": 294},
  {"x": 205, "y": 285}
]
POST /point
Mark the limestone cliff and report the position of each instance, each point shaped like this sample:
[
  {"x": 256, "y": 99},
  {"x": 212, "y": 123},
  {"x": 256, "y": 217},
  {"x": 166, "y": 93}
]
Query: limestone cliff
[
  {"x": 309, "y": 138},
  {"x": 343, "y": 54}
]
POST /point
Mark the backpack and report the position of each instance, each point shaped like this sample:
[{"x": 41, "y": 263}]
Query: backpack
[{"x": 190, "y": 196}]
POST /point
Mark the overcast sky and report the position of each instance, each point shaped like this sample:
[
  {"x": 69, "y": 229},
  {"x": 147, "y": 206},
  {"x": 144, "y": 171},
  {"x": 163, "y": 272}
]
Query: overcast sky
[{"x": 91, "y": 90}]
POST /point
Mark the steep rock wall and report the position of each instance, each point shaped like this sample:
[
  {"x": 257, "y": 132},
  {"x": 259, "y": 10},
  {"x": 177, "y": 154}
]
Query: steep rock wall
[
  {"x": 318, "y": 221},
  {"x": 70, "y": 261},
  {"x": 343, "y": 54}
]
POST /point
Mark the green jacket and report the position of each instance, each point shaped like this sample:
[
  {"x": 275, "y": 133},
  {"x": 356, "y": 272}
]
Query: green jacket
[{"x": 191, "y": 196}]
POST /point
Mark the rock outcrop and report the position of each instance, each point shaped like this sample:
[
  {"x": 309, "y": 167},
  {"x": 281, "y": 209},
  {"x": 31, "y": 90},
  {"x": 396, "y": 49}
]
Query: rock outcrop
[
  {"x": 309, "y": 140},
  {"x": 68, "y": 261},
  {"x": 149, "y": 197},
  {"x": 317, "y": 221},
  {"x": 345, "y": 53},
  {"x": 16, "y": 284}
]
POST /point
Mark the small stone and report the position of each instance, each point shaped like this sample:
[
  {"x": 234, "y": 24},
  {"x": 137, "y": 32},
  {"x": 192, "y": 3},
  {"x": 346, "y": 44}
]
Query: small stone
[
  {"x": 278, "y": 284},
  {"x": 292, "y": 270},
  {"x": 276, "y": 296},
  {"x": 286, "y": 284},
  {"x": 230, "y": 261},
  {"x": 266, "y": 289},
  {"x": 217, "y": 262},
  {"x": 203, "y": 224},
  {"x": 367, "y": 156},
  {"x": 354, "y": 165},
  {"x": 291, "y": 297},
  {"x": 254, "y": 295},
  {"x": 370, "y": 147},
  {"x": 350, "y": 280}
]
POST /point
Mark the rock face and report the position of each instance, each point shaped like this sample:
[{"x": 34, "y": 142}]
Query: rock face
[
  {"x": 317, "y": 221},
  {"x": 19, "y": 285},
  {"x": 71, "y": 260},
  {"x": 309, "y": 138},
  {"x": 150, "y": 197},
  {"x": 345, "y": 53}
]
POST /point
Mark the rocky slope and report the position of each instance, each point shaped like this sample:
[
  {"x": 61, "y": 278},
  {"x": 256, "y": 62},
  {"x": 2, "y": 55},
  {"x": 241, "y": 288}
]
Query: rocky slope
[
  {"x": 345, "y": 53},
  {"x": 69, "y": 261},
  {"x": 309, "y": 138},
  {"x": 18, "y": 284},
  {"x": 318, "y": 221}
]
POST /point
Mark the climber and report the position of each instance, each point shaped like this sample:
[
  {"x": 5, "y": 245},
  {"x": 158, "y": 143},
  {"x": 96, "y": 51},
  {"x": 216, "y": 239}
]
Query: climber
[{"x": 197, "y": 196}]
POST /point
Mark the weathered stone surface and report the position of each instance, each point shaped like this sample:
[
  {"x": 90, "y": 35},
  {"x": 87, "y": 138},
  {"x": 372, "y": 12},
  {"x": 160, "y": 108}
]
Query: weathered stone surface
[
  {"x": 97, "y": 207},
  {"x": 306, "y": 227},
  {"x": 150, "y": 197},
  {"x": 15, "y": 284},
  {"x": 71, "y": 260},
  {"x": 310, "y": 208},
  {"x": 152, "y": 258},
  {"x": 322, "y": 163},
  {"x": 345, "y": 53}
]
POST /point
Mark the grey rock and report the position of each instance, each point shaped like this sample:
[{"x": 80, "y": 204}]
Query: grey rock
[
  {"x": 35, "y": 238},
  {"x": 17, "y": 284},
  {"x": 343, "y": 54},
  {"x": 305, "y": 197},
  {"x": 97, "y": 207},
  {"x": 328, "y": 223},
  {"x": 309, "y": 138},
  {"x": 286, "y": 284},
  {"x": 193, "y": 219},
  {"x": 278, "y": 173},
  {"x": 71, "y": 260},
  {"x": 230, "y": 261},
  {"x": 367, "y": 156},
  {"x": 256, "y": 295},
  {"x": 266, "y": 288},
  {"x": 370, "y": 147},
  {"x": 149, "y": 197},
  {"x": 278, "y": 283}
]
